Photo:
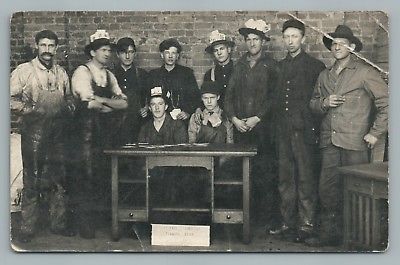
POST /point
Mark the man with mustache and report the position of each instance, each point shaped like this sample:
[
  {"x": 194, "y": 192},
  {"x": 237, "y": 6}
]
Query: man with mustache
[
  {"x": 40, "y": 93},
  {"x": 248, "y": 101},
  {"x": 100, "y": 98},
  {"x": 176, "y": 80},
  {"x": 352, "y": 100}
]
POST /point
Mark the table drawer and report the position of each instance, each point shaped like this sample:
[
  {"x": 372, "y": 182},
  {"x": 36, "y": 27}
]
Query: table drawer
[
  {"x": 228, "y": 216},
  {"x": 138, "y": 215},
  {"x": 359, "y": 185},
  {"x": 381, "y": 190}
]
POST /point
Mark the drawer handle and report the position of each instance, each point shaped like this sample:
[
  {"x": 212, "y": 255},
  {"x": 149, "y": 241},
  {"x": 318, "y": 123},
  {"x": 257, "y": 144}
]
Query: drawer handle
[
  {"x": 228, "y": 217},
  {"x": 130, "y": 214},
  {"x": 356, "y": 184}
]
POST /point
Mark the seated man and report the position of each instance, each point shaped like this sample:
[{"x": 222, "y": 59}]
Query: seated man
[
  {"x": 212, "y": 126},
  {"x": 162, "y": 129}
]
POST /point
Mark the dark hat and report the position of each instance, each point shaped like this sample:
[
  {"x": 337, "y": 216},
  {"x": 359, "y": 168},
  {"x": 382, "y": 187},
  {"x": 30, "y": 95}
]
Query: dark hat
[
  {"x": 293, "y": 23},
  {"x": 216, "y": 38},
  {"x": 258, "y": 27},
  {"x": 343, "y": 31},
  {"x": 168, "y": 43},
  {"x": 99, "y": 39},
  {"x": 210, "y": 87},
  {"x": 124, "y": 43}
]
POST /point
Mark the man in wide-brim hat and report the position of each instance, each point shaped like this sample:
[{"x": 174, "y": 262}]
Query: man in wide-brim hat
[
  {"x": 345, "y": 95},
  {"x": 248, "y": 103}
]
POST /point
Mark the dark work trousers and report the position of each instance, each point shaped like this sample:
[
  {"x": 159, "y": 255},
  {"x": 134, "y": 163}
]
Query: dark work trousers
[
  {"x": 43, "y": 172},
  {"x": 331, "y": 188},
  {"x": 297, "y": 180},
  {"x": 264, "y": 194}
]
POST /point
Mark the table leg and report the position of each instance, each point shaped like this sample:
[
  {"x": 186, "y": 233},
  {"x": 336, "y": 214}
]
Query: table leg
[
  {"x": 246, "y": 200},
  {"x": 114, "y": 197},
  {"x": 347, "y": 216}
]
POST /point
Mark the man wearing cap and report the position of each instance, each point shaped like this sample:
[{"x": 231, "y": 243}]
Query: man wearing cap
[
  {"x": 248, "y": 103},
  {"x": 100, "y": 97},
  {"x": 176, "y": 79},
  {"x": 162, "y": 129},
  {"x": 352, "y": 100},
  {"x": 133, "y": 82},
  {"x": 220, "y": 47},
  {"x": 213, "y": 127},
  {"x": 40, "y": 94},
  {"x": 296, "y": 135}
]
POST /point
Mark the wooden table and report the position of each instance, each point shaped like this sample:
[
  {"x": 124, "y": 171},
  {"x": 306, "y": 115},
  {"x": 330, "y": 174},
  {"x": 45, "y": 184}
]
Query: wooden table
[
  {"x": 184, "y": 156},
  {"x": 365, "y": 186}
]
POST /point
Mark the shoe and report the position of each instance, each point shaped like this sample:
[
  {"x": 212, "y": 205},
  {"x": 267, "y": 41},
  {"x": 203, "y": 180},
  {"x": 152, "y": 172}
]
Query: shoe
[
  {"x": 318, "y": 242},
  {"x": 279, "y": 231},
  {"x": 303, "y": 235},
  {"x": 63, "y": 232}
]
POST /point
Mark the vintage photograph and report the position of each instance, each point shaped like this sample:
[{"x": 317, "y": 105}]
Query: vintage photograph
[{"x": 199, "y": 131}]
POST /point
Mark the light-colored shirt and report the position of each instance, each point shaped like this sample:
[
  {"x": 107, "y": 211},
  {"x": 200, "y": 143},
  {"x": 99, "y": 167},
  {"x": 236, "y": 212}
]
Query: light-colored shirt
[
  {"x": 82, "y": 81},
  {"x": 29, "y": 78},
  {"x": 194, "y": 127}
]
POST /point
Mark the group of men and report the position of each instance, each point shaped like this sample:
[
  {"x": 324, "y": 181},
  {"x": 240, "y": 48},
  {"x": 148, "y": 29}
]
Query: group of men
[{"x": 285, "y": 108}]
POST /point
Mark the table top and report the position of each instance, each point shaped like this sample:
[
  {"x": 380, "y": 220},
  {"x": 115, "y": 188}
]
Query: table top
[
  {"x": 143, "y": 149},
  {"x": 377, "y": 171}
]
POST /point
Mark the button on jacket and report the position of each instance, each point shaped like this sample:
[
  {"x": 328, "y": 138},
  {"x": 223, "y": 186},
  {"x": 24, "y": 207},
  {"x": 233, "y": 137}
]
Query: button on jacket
[
  {"x": 363, "y": 88},
  {"x": 249, "y": 90},
  {"x": 293, "y": 94},
  {"x": 181, "y": 84},
  {"x": 220, "y": 74}
]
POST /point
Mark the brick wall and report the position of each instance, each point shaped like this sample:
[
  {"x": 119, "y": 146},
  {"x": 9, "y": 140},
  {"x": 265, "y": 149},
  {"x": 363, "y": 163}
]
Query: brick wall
[{"x": 148, "y": 29}]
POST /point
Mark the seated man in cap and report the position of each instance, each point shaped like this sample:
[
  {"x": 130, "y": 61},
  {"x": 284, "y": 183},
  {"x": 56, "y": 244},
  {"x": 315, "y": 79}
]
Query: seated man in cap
[
  {"x": 161, "y": 129},
  {"x": 177, "y": 80},
  {"x": 296, "y": 135},
  {"x": 220, "y": 47},
  {"x": 352, "y": 99},
  {"x": 213, "y": 126},
  {"x": 133, "y": 82},
  {"x": 248, "y": 102},
  {"x": 100, "y": 96}
]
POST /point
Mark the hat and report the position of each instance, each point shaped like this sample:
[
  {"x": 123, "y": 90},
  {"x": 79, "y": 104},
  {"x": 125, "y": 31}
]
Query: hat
[
  {"x": 293, "y": 23},
  {"x": 216, "y": 38},
  {"x": 210, "y": 87},
  {"x": 124, "y": 43},
  {"x": 258, "y": 27},
  {"x": 158, "y": 91},
  {"x": 98, "y": 39},
  {"x": 343, "y": 31},
  {"x": 168, "y": 43}
]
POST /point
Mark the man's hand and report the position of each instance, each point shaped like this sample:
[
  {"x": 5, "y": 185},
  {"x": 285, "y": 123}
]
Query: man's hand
[
  {"x": 94, "y": 104},
  {"x": 182, "y": 115},
  {"x": 371, "y": 140},
  {"x": 334, "y": 101},
  {"x": 240, "y": 125},
  {"x": 198, "y": 116},
  {"x": 143, "y": 111},
  {"x": 252, "y": 122}
]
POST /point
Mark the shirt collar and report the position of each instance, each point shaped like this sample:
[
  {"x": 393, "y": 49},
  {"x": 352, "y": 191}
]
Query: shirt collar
[
  {"x": 351, "y": 64},
  {"x": 297, "y": 57},
  {"x": 36, "y": 62}
]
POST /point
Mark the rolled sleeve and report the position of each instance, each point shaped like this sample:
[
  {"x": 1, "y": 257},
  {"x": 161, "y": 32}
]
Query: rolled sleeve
[{"x": 82, "y": 84}]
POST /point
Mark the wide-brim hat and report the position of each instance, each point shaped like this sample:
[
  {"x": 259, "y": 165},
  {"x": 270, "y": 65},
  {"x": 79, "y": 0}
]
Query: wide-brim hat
[
  {"x": 258, "y": 27},
  {"x": 216, "y": 38},
  {"x": 98, "y": 39},
  {"x": 343, "y": 31},
  {"x": 210, "y": 87}
]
